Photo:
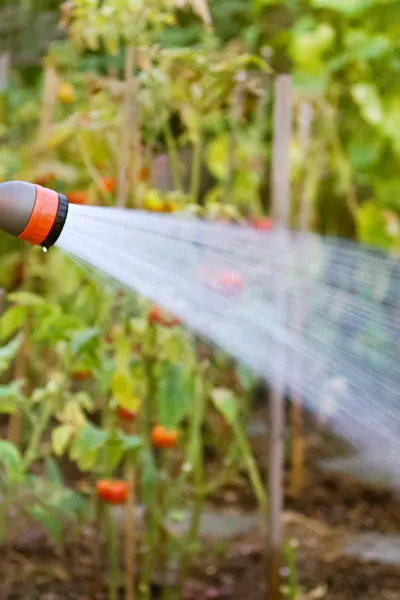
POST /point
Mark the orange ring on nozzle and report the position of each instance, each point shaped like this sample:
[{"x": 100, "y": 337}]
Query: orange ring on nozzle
[{"x": 43, "y": 216}]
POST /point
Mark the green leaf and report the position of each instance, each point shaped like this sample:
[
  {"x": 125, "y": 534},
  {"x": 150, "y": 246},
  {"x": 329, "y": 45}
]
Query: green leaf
[
  {"x": 217, "y": 156},
  {"x": 12, "y": 320},
  {"x": 10, "y": 397},
  {"x": 226, "y": 402},
  {"x": 113, "y": 453},
  {"x": 51, "y": 522},
  {"x": 131, "y": 443},
  {"x": 86, "y": 446},
  {"x": 345, "y": 7},
  {"x": 27, "y": 299},
  {"x": 365, "y": 155},
  {"x": 367, "y": 97},
  {"x": 53, "y": 473},
  {"x": 366, "y": 46},
  {"x": 85, "y": 341},
  {"x": 122, "y": 387},
  {"x": 8, "y": 353},
  {"x": 173, "y": 395},
  {"x": 312, "y": 85},
  {"x": 91, "y": 438},
  {"x": 149, "y": 475},
  {"x": 60, "y": 438},
  {"x": 12, "y": 461},
  {"x": 246, "y": 378},
  {"x": 54, "y": 327}
]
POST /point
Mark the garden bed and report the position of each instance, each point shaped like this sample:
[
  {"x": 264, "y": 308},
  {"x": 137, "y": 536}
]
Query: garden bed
[{"x": 323, "y": 522}]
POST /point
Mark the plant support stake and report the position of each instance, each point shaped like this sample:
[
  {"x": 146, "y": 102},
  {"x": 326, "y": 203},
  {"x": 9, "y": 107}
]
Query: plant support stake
[
  {"x": 280, "y": 208},
  {"x": 305, "y": 117},
  {"x": 126, "y": 125}
]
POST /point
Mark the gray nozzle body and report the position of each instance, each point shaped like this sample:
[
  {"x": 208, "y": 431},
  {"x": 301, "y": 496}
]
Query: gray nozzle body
[
  {"x": 17, "y": 200},
  {"x": 32, "y": 213}
]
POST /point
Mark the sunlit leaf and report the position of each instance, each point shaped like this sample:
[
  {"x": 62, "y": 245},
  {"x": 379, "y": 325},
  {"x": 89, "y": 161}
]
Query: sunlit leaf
[
  {"x": 60, "y": 438},
  {"x": 10, "y": 397},
  {"x": 226, "y": 402},
  {"x": 27, "y": 299},
  {"x": 346, "y": 7},
  {"x": 367, "y": 97},
  {"x": 11, "y": 320}
]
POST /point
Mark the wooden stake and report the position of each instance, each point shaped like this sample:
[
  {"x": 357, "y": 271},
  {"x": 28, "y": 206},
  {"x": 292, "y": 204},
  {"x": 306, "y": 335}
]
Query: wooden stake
[
  {"x": 126, "y": 125},
  {"x": 50, "y": 85},
  {"x": 297, "y": 475},
  {"x": 280, "y": 209},
  {"x": 5, "y": 62}
]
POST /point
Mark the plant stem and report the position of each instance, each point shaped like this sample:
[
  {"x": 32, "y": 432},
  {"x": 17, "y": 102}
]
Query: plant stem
[
  {"x": 113, "y": 556},
  {"x": 196, "y": 168},
  {"x": 148, "y": 415},
  {"x": 20, "y": 367},
  {"x": 173, "y": 157},
  {"x": 20, "y": 373},
  {"x": 252, "y": 468},
  {"x": 150, "y": 544},
  {"x": 97, "y": 547},
  {"x": 196, "y": 459},
  {"x": 90, "y": 168},
  {"x": 151, "y": 380},
  {"x": 38, "y": 431},
  {"x": 4, "y": 509},
  {"x": 130, "y": 527}
]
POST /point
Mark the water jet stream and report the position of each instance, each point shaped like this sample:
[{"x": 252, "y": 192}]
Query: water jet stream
[{"x": 221, "y": 280}]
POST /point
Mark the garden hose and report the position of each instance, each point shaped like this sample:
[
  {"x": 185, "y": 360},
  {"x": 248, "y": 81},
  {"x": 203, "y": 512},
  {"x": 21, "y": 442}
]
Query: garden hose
[{"x": 32, "y": 213}]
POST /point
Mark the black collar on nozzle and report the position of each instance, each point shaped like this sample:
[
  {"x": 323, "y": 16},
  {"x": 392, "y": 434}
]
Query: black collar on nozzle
[{"x": 58, "y": 224}]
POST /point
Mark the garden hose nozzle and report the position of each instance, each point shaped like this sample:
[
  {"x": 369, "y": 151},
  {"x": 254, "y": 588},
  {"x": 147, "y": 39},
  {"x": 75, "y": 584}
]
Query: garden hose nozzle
[{"x": 32, "y": 213}]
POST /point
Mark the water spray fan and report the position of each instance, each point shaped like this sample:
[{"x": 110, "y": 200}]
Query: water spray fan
[{"x": 32, "y": 213}]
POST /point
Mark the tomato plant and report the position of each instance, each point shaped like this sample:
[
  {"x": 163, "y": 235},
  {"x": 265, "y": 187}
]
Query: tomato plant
[{"x": 114, "y": 380}]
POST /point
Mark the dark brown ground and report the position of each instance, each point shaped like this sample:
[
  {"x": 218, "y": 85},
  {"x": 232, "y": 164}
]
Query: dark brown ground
[
  {"x": 332, "y": 509},
  {"x": 31, "y": 569}
]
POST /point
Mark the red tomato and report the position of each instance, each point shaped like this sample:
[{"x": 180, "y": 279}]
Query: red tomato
[
  {"x": 112, "y": 492},
  {"x": 162, "y": 438},
  {"x": 108, "y": 184},
  {"x": 144, "y": 174},
  {"x": 261, "y": 223},
  {"x": 125, "y": 414},
  {"x": 77, "y": 197},
  {"x": 158, "y": 317},
  {"x": 231, "y": 281},
  {"x": 81, "y": 375},
  {"x": 222, "y": 280}
]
